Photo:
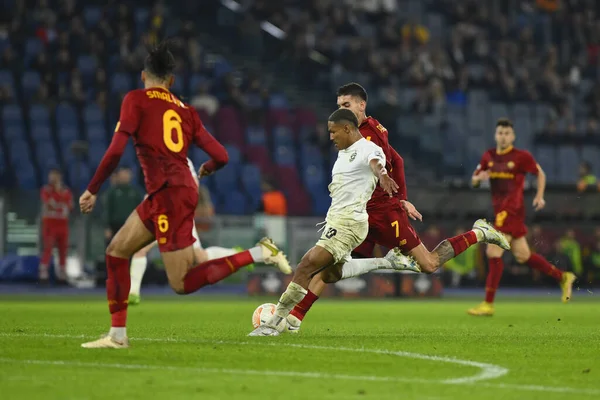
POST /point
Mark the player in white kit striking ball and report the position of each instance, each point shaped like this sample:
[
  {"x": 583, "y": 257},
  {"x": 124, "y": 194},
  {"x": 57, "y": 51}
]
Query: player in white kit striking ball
[
  {"x": 359, "y": 165},
  {"x": 139, "y": 261}
]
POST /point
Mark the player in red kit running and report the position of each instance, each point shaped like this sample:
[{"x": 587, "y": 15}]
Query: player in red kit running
[
  {"x": 57, "y": 203},
  {"x": 389, "y": 224},
  {"x": 506, "y": 167},
  {"x": 162, "y": 128}
]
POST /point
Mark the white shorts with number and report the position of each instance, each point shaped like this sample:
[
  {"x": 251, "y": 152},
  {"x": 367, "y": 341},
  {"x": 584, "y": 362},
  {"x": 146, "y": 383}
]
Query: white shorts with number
[{"x": 340, "y": 238}]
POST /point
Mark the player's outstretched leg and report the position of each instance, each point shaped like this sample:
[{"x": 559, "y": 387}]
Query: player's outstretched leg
[
  {"x": 128, "y": 240},
  {"x": 524, "y": 256},
  {"x": 213, "y": 271},
  {"x": 350, "y": 269}
]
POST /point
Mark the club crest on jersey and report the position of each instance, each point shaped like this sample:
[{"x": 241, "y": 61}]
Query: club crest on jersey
[
  {"x": 510, "y": 164},
  {"x": 490, "y": 164},
  {"x": 353, "y": 156}
]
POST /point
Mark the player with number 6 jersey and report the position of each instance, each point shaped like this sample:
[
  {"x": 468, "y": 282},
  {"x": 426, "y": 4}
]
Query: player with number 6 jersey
[
  {"x": 162, "y": 128},
  {"x": 506, "y": 168}
]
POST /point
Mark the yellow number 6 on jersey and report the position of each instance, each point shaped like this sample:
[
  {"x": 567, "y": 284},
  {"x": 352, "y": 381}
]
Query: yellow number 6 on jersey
[
  {"x": 172, "y": 120},
  {"x": 163, "y": 223}
]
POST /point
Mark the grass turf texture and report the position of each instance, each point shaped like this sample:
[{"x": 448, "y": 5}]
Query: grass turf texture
[{"x": 196, "y": 347}]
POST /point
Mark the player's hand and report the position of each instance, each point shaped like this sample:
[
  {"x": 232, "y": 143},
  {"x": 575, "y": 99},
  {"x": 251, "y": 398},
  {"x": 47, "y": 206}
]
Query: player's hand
[
  {"x": 388, "y": 184},
  {"x": 202, "y": 172},
  {"x": 539, "y": 203},
  {"x": 87, "y": 201},
  {"x": 480, "y": 176},
  {"x": 411, "y": 210}
]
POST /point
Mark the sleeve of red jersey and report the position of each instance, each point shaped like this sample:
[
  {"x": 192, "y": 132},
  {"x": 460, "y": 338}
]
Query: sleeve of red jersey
[
  {"x": 129, "y": 122},
  {"x": 484, "y": 163},
  {"x": 529, "y": 163},
  {"x": 397, "y": 174},
  {"x": 207, "y": 142}
]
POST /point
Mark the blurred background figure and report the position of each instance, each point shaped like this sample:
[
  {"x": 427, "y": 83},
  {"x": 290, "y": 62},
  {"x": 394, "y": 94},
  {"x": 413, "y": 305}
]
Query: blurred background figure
[
  {"x": 120, "y": 200},
  {"x": 273, "y": 200},
  {"x": 57, "y": 204},
  {"x": 587, "y": 179}
]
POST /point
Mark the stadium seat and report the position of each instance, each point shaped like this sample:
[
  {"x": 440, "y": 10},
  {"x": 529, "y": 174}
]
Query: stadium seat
[
  {"x": 233, "y": 203},
  {"x": 96, "y": 152},
  {"x": 221, "y": 68},
  {"x": 7, "y": 79},
  {"x": 33, "y": 46},
  {"x": 66, "y": 116},
  {"x": 259, "y": 156},
  {"x": 279, "y": 100},
  {"x": 256, "y": 136},
  {"x": 30, "y": 82},
  {"x": 87, "y": 66},
  {"x": 46, "y": 154},
  {"x": 304, "y": 117},
  {"x": 129, "y": 157},
  {"x": 141, "y": 17},
  {"x": 92, "y": 16},
  {"x": 227, "y": 180},
  {"x": 41, "y": 132},
  {"x": 39, "y": 114},
  {"x": 19, "y": 152},
  {"x": 314, "y": 179},
  {"x": 14, "y": 131},
  {"x": 235, "y": 156},
  {"x": 499, "y": 110},
  {"x": 546, "y": 157},
  {"x": 96, "y": 133},
  {"x": 568, "y": 159},
  {"x": 198, "y": 156},
  {"x": 26, "y": 176},
  {"x": 592, "y": 155},
  {"x": 282, "y": 136},
  {"x": 251, "y": 182},
  {"x": 11, "y": 113},
  {"x": 120, "y": 82},
  {"x": 285, "y": 156}
]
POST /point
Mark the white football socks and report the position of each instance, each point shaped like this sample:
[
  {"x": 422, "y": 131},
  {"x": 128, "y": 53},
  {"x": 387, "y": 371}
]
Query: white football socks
[
  {"x": 215, "y": 252},
  {"x": 257, "y": 254},
  {"x": 119, "y": 333},
  {"x": 138, "y": 268},
  {"x": 480, "y": 235},
  {"x": 361, "y": 266},
  {"x": 288, "y": 300}
]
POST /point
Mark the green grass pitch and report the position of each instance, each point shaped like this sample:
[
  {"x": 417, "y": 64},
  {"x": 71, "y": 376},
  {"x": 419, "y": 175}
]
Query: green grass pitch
[{"x": 196, "y": 348}]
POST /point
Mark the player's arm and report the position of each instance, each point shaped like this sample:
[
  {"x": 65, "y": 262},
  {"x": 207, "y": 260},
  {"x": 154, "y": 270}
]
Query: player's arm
[
  {"x": 377, "y": 164},
  {"x": 538, "y": 200},
  {"x": 397, "y": 173},
  {"x": 481, "y": 172},
  {"x": 217, "y": 153}
]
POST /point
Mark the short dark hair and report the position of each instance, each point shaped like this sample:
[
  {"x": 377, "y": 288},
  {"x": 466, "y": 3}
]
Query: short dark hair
[
  {"x": 160, "y": 61},
  {"x": 55, "y": 169},
  {"x": 353, "y": 89},
  {"x": 504, "y": 122},
  {"x": 343, "y": 115}
]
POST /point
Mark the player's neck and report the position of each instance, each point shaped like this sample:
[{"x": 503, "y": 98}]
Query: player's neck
[
  {"x": 507, "y": 150},
  {"x": 155, "y": 85},
  {"x": 362, "y": 118}
]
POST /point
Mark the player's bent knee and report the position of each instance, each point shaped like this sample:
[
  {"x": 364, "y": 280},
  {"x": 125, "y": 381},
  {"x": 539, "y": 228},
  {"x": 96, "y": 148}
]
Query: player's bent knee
[
  {"x": 178, "y": 287},
  {"x": 522, "y": 257}
]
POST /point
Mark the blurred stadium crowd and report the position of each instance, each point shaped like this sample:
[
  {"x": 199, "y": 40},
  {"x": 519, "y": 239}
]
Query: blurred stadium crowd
[{"x": 262, "y": 74}]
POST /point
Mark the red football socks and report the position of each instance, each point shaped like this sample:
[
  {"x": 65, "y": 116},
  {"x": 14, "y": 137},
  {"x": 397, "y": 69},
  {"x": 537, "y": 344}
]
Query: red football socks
[
  {"x": 462, "y": 242},
  {"x": 213, "y": 271},
  {"x": 541, "y": 264},
  {"x": 302, "y": 308},
  {"x": 493, "y": 278},
  {"x": 118, "y": 283}
]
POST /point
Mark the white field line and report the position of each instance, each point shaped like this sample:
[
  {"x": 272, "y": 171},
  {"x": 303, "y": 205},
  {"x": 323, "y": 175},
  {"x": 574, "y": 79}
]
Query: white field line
[{"x": 488, "y": 371}]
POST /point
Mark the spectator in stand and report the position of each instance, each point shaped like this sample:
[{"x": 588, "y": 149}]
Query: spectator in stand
[
  {"x": 587, "y": 179},
  {"x": 560, "y": 259},
  {"x": 462, "y": 265},
  {"x": 570, "y": 247},
  {"x": 204, "y": 100},
  {"x": 57, "y": 203},
  {"x": 273, "y": 200},
  {"x": 119, "y": 201},
  {"x": 592, "y": 274}
]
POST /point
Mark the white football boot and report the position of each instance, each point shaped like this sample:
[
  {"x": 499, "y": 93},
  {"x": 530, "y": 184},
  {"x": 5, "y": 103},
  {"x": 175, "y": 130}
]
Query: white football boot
[
  {"x": 107, "y": 342},
  {"x": 274, "y": 256},
  {"x": 264, "y": 330},
  {"x": 400, "y": 262},
  {"x": 491, "y": 235},
  {"x": 293, "y": 324}
]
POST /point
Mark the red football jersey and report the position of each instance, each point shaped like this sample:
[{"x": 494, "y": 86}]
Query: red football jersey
[
  {"x": 372, "y": 130},
  {"x": 56, "y": 203},
  {"x": 507, "y": 178},
  {"x": 162, "y": 128}
]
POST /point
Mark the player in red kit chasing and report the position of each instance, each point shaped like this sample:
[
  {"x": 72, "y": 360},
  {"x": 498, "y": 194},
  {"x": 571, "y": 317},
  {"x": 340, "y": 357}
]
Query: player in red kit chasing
[
  {"x": 57, "y": 203},
  {"x": 162, "y": 129},
  {"x": 389, "y": 224},
  {"x": 506, "y": 167}
]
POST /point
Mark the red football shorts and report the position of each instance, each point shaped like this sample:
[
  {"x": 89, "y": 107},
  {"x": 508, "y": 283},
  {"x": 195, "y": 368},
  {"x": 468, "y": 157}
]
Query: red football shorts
[
  {"x": 389, "y": 228},
  {"x": 510, "y": 223},
  {"x": 169, "y": 214}
]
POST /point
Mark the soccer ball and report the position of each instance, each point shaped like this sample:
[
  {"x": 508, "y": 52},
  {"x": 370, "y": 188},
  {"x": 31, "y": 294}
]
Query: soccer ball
[{"x": 263, "y": 313}]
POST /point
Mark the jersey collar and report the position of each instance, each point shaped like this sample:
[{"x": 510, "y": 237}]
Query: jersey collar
[{"x": 503, "y": 152}]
